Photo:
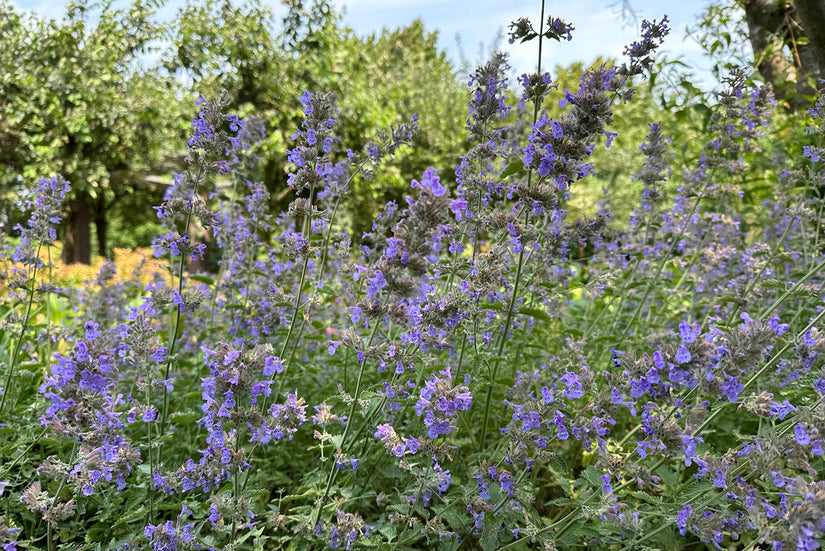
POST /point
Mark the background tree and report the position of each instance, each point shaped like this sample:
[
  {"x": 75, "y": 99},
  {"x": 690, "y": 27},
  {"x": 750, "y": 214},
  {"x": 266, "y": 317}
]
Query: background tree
[
  {"x": 380, "y": 80},
  {"x": 787, "y": 38},
  {"x": 77, "y": 96}
]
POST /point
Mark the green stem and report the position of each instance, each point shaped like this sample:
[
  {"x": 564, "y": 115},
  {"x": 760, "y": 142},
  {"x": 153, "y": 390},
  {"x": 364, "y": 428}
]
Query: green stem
[
  {"x": 503, "y": 338},
  {"x": 804, "y": 279},
  {"x": 7, "y": 468},
  {"x": 628, "y": 280},
  {"x": 755, "y": 279},
  {"x": 664, "y": 261},
  {"x": 149, "y": 442},
  {"x": 692, "y": 263},
  {"x": 24, "y": 325},
  {"x": 502, "y": 342},
  {"x": 171, "y": 351},
  {"x": 60, "y": 489},
  {"x": 350, "y": 420},
  {"x": 818, "y": 225}
]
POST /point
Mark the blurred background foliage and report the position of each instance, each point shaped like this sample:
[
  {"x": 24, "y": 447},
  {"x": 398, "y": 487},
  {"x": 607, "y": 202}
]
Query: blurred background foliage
[{"x": 105, "y": 95}]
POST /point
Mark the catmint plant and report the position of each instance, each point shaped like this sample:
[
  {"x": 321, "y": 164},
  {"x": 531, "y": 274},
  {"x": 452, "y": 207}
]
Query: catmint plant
[
  {"x": 463, "y": 374},
  {"x": 40, "y": 232}
]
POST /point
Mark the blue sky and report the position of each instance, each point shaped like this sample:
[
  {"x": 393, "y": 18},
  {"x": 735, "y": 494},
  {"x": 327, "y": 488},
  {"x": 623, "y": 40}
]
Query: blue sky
[
  {"x": 600, "y": 29},
  {"x": 599, "y": 26}
]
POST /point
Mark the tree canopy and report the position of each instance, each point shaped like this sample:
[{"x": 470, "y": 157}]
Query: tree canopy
[
  {"x": 78, "y": 98},
  {"x": 97, "y": 95},
  {"x": 100, "y": 93}
]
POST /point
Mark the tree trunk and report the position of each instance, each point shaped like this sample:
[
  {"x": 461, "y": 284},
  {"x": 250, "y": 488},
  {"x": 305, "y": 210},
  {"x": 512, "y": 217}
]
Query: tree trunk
[
  {"x": 812, "y": 16},
  {"x": 772, "y": 26},
  {"x": 77, "y": 247},
  {"x": 101, "y": 226}
]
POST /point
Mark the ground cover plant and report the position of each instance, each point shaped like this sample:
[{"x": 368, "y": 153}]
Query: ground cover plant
[{"x": 479, "y": 371}]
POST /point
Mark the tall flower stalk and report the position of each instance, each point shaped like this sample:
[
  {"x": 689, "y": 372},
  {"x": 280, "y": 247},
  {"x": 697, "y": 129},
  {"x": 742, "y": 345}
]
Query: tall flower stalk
[{"x": 40, "y": 231}]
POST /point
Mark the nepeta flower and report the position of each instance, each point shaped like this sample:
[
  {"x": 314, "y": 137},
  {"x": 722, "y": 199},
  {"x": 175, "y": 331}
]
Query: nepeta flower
[
  {"x": 801, "y": 435},
  {"x": 489, "y": 101},
  {"x": 316, "y": 130},
  {"x": 440, "y": 401},
  {"x": 347, "y": 529},
  {"x": 682, "y": 518},
  {"x": 393, "y": 443},
  {"x": 46, "y": 214},
  {"x": 7, "y": 536}
]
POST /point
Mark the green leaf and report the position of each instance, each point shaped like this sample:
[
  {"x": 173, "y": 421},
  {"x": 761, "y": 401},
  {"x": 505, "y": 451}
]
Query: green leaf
[
  {"x": 489, "y": 536},
  {"x": 516, "y": 167},
  {"x": 133, "y": 515},
  {"x": 592, "y": 475},
  {"x": 560, "y": 462},
  {"x": 256, "y": 532},
  {"x": 535, "y": 313},
  {"x": 202, "y": 279},
  {"x": 772, "y": 284},
  {"x": 454, "y": 519},
  {"x": 668, "y": 475},
  {"x": 98, "y": 533},
  {"x": 183, "y": 417},
  {"x": 646, "y": 497},
  {"x": 590, "y": 530},
  {"x": 389, "y": 531}
]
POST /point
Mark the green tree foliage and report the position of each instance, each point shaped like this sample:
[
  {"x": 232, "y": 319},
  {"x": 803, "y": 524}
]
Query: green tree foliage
[
  {"x": 221, "y": 46},
  {"x": 618, "y": 163},
  {"x": 397, "y": 75},
  {"x": 75, "y": 97},
  {"x": 380, "y": 80}
]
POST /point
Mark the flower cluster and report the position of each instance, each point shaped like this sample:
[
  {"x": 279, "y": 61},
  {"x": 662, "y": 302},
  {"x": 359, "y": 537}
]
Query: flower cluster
[
  {"x": 46, "y": 214},
  {"x": 441, "y": 400},
  {"x": 83, "y": 406}
]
